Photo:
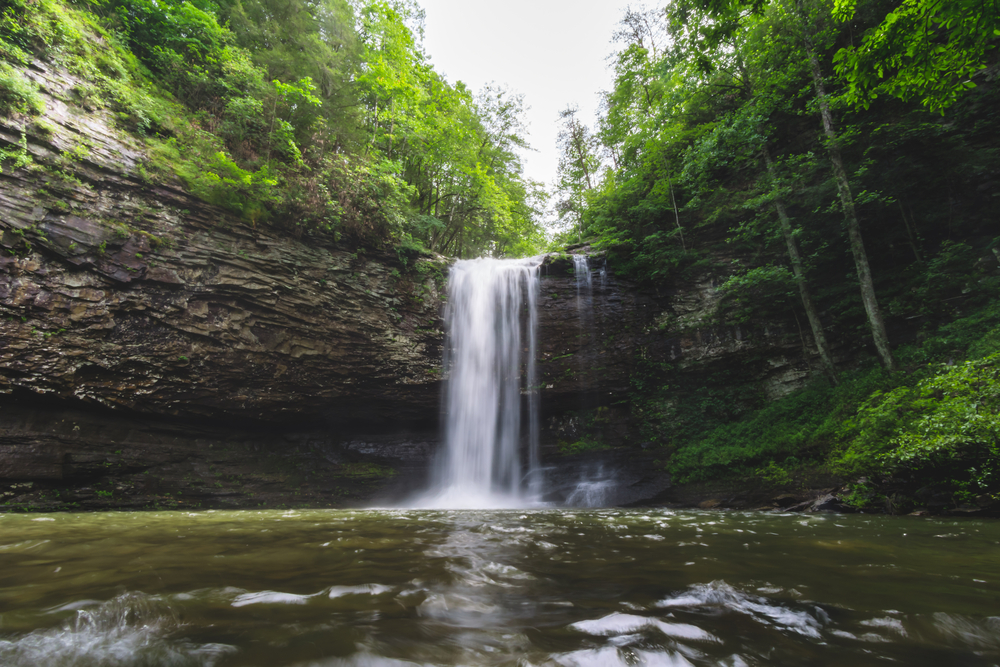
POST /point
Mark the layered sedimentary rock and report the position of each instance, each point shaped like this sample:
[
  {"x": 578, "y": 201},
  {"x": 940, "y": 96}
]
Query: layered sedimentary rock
[
  {"x": 593, "y": 340},
  {"x": 118, "y": 292},
  {"x": 599, "y": 344}
]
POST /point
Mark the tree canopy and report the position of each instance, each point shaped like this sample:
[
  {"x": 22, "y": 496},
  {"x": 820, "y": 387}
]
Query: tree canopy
[
  {"x": 304, "y": 114},
  {"x": 811, "y": 132}
]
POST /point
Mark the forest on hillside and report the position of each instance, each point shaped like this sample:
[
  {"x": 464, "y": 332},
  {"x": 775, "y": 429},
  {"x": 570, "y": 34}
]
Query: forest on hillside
[
  {"x": 304, "y": 115},
  {"x": 834, "y": 166},
  {"x": 780, "y": 129}
]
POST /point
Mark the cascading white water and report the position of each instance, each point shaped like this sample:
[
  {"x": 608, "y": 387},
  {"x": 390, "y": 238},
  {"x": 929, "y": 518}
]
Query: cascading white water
[
  {"x": 584, "y": 297},
  {"x": 585, "y": 313},
  {"x": 593, "y": 490},
  {"x": 491, "y": 318},
  {"x": 584, "y": 281}
]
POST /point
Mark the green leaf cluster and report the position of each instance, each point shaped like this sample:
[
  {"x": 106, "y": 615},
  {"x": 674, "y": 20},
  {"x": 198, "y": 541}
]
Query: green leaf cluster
[
  {"x": 18, "y": 94},
  {"x": 923, "y": 50},
  {"x": 948, "y": 423}
]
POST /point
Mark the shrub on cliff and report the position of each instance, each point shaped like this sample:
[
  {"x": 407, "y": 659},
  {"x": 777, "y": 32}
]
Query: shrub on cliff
[
  {"x": 945, "y": 430},
  {"x": 18, "y": 94}
]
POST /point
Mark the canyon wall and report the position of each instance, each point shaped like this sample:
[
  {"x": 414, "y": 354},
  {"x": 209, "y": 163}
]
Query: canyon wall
[{"x": 155, "y": 351}]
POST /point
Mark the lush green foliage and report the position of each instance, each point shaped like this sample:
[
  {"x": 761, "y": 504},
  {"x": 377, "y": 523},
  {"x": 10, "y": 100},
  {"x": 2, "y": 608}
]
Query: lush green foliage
[
  {"x": 944, "y": 432},
  {"x": 799, "y": 428},
  {"x": 17, "y": 94},
  {"x": 928, "y": 50},
  {"x": 302, "y": 114},
  {"x": 703, "y": 89},
  {"x": 950, "y": 415},
  {"x": 935, "y": 426}
]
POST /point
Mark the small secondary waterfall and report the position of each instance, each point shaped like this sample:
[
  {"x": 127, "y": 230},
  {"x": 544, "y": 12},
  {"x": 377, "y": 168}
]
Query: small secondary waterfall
[
  {"x": 595, "y": 486},
  {"x": 585, "y": 313},
  {"x": 491, "y": 322},
  {"x": 593, "y": 490},
  {"x": 581, "y": 270},
  {"x": 584, "y": 296}
]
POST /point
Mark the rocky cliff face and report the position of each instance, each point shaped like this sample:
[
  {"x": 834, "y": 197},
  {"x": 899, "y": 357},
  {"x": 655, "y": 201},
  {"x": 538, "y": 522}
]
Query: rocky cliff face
[
  {"x": 118, "y": 292},
  {"x": 599, "y": 343},
  {"x": 155, "y": 351},
  {"x": 594, "y": 338},
  {"x": 141, "y": 330}
]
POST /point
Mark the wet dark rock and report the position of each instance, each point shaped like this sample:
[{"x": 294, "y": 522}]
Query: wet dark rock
[
  {"x": 829, "y": 503},
  {"x": 785, "y": 500},
  {"x": 825, "y": 502},
  {"x": 91, "y": 459}
]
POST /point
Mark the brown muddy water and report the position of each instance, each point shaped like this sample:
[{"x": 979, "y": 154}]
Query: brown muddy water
[{"x": 542, "y": 587}]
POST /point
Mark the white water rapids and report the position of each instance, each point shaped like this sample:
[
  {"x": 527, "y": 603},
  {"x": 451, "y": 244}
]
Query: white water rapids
[{"x": 491, "y": 319}]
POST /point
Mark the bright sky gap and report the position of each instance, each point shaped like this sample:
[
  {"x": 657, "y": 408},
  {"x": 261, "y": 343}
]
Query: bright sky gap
[{"x": 553, "y": 51}]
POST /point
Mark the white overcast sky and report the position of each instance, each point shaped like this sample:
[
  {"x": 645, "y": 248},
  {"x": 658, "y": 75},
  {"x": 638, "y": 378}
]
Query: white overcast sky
[{"x": 553, "y": 51}]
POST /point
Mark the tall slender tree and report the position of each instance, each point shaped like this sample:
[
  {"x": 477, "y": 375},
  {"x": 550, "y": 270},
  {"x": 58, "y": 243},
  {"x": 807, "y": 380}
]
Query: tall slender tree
[
  {"x": 578, "y": 166},
  {"x": 806, "y": 15},
  {"x": 798, "y": 271}
]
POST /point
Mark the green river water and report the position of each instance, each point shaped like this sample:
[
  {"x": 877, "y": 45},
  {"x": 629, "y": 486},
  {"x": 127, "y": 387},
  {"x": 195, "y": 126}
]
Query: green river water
[{"x": 536, "y": 587}]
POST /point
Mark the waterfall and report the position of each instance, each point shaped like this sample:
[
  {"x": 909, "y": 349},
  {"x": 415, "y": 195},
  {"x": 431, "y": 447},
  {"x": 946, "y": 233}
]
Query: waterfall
[
  {"x": 491, "y": 319},
  {"x": 584, "y": 282},
  {"x": 585, "y": 314},
  {"x": 594, "y": 489},
  {"x": 584, "y": 296}
]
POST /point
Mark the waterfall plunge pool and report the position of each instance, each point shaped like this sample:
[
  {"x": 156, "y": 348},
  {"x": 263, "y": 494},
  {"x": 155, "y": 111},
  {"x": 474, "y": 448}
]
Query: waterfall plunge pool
[{"x": 519, "y": 588}]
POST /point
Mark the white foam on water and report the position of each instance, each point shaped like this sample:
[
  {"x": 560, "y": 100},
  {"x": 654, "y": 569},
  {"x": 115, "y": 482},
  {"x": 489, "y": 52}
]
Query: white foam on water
[
  {"x": 363, "y": 589},
  {"x": 721, "y": 594},
  {"x": 131, "y": 630},
  {"x": 620, "y": 624},
  {"x": 269, "y": 597},
  {"x": 611, "y": 656},
  {"x": 893, "y": 624},
  {"x": 983, "y": 634}
]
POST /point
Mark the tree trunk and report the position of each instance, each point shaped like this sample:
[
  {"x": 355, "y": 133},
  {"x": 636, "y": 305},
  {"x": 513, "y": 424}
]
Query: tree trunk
[
  {"x": 581, "y": 149},
  {"x": 451, "y": 213},
  {"x": 875, "y": 320},
  {"x": 796, "y": 258},
  {"x": 909, "y": 233},
  {"x": 677, "y": 215},
  {"x": 392, "y": 124},
  {"x": 454, "y": 233}
]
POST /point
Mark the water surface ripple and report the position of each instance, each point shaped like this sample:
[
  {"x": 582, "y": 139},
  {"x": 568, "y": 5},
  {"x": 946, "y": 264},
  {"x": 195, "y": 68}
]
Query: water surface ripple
[{"x": 519, "y": 588}]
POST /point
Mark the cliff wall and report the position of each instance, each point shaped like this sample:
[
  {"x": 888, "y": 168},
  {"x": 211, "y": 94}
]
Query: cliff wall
[{"x": 156, "y": 351}]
